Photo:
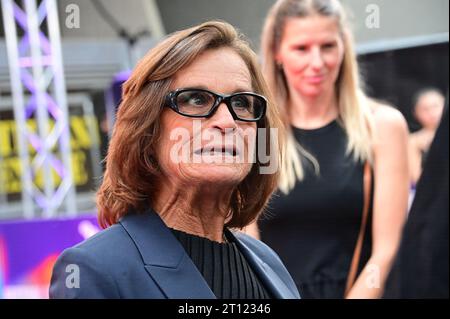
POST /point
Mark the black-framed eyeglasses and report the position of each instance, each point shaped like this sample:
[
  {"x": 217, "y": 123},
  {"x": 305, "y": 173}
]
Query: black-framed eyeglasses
[{"x": 200, "y": 103}]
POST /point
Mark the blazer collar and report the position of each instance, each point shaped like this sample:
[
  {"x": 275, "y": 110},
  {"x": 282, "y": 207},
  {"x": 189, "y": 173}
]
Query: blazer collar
[
  {"x": 173, "y": 270},
  {"x": 165, "y": 258}
]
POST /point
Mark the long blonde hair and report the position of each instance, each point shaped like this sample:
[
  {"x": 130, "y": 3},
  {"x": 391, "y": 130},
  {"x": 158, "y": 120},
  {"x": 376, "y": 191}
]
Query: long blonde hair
[{"x": 354, "y": 111}]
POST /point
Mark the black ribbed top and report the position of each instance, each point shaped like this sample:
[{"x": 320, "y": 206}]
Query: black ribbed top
[{"x": 223, "y": 267}]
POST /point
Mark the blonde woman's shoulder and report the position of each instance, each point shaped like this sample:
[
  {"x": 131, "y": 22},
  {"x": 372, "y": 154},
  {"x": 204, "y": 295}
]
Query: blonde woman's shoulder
[{"x": 387, "y": 117}]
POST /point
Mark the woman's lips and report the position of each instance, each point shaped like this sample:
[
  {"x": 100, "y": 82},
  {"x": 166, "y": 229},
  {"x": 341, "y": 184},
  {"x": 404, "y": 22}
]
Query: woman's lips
[{"x": 218, "y": 150}]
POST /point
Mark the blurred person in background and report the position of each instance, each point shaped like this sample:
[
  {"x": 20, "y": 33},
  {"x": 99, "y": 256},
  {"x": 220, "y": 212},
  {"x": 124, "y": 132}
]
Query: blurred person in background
[
  {"x": 168, "y": 221},
  {"x": 421, "y": 267},
  {"x": 343, "y": 194},
  {"x": 428, "y": 108}
]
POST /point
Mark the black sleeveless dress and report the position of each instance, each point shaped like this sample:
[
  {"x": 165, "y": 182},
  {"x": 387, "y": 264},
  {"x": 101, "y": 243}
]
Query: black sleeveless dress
[{"x": 315, "y": 227}]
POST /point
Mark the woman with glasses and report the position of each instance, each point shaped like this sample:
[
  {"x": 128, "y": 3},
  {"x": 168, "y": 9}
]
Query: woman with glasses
[
  {"x": 182, "y": 175},
  {"x": 343, "y": 190}
]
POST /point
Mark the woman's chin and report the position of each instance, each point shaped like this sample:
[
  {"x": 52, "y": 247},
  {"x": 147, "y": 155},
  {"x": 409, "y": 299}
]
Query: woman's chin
[
  {"x": 224, "y": 174},
  {"x": 312, "y": 91}
]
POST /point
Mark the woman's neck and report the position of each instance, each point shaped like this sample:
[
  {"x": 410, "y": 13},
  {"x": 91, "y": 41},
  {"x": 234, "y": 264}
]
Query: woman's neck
[
  {"x": 193, "y": 210},
  {"x": 311, "y": 112}
]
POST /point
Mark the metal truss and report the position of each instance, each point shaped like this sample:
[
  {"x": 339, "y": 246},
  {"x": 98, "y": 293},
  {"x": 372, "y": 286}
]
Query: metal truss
[{"x": 39, "y": 93}]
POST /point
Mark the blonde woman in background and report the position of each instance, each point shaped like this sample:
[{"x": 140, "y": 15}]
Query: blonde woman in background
[{"x": 334, "y": 130}]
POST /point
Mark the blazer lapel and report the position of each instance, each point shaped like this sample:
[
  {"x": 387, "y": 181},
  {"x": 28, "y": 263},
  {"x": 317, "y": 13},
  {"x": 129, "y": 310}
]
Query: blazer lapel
[
  {"x": 265, "y": 273},
  {"x": 164, "y": 258}
]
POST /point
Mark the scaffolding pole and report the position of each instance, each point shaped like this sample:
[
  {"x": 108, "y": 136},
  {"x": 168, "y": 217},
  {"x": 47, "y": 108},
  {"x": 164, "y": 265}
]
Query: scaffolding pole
[{"x": 39, "y": 93}]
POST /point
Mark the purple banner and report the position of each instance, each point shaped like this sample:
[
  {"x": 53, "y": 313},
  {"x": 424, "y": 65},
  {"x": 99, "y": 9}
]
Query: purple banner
[{"x": 29, "y": 249}]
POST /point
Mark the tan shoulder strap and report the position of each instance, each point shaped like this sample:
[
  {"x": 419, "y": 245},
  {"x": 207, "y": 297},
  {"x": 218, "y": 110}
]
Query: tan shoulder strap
[{"x": 367, "y": 180}]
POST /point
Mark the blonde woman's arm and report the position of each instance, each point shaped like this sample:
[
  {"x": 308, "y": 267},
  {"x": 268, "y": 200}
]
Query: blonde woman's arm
[{"x": 391, "y": 187}]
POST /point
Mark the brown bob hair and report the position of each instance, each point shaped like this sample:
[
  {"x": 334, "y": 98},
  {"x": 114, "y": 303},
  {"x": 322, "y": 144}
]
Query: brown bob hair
[{"x": 129, "y": 179}]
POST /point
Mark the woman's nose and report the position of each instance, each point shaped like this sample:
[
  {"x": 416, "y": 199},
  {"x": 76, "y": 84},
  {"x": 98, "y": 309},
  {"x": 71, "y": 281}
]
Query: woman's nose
[
  {"x": 316, "y": 58},
  {"x": 222, "y": 118}
]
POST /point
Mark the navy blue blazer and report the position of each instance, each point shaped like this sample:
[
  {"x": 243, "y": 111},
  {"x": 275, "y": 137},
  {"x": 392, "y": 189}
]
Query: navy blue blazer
[{"x": 139, "y": 257}]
